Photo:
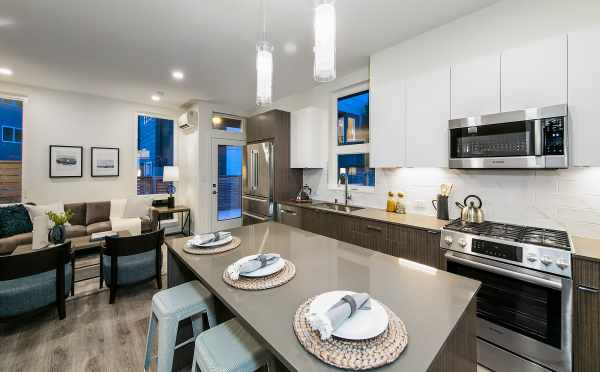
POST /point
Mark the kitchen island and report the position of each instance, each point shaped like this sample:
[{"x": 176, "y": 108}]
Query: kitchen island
[{"x": 438, "y": 308}]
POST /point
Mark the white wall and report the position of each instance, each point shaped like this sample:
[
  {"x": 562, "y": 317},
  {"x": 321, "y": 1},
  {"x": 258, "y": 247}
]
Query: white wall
[
  {"x": 53, "y": 117},
  {"x": 567, "y": 199}
]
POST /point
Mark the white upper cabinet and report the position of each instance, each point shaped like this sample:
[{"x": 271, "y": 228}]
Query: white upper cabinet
[
  {"x": 387, "y": 123},
  {"x": 427, "y": 115},
  {"x": 308, "y": 137},
  {"x": 475, "y": 87},
  {"x": 584, "y": 99},
  {"x": 534, "y": 75}
]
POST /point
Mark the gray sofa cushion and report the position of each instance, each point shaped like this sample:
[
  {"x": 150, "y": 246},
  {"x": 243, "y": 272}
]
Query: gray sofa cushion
[
  {"x": 74, "y": 231},
  {"x": 97, "y": 227},
  {"x": 97, "y": 212},
  {"x": 132, "y": 269},
  {"x": 8, "y": 245},
  {"x": 79, "y": 213},
  {"x": 22, "y": 295}
]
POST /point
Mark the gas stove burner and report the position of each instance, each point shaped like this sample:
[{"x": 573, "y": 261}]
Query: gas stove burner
[{"x": 515, "y": 233}]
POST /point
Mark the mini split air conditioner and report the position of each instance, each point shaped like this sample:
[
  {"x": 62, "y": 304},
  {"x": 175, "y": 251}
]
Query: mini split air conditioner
[{"x": 188, "y": 120}]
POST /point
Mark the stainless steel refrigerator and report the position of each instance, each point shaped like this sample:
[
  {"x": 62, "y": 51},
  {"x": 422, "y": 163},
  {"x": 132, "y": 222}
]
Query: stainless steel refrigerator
[{"x": 257, "y": 199}]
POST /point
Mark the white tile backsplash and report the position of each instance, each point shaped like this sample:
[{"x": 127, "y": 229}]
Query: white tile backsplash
[{"x": 565, "y": 199}]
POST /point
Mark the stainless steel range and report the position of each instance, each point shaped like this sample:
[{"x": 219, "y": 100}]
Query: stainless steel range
[{"x": 524, "y": 306}]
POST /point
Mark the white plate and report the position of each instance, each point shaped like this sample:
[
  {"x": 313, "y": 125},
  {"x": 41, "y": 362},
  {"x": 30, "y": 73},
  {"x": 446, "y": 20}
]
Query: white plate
[
  {"x": 364, "y": 324},
  {"x": 215, "y": 244},
  {"x": 267, "y": 270}
]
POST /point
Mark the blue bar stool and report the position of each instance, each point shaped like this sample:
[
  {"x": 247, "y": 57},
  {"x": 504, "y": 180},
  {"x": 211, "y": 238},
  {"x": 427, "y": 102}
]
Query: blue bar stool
[
  {"x": 169, "y": 307},
  {"x": 228, "y": 347}
]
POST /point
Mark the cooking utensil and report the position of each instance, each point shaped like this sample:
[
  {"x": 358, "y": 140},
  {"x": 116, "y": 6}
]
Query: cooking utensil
[{"x": 470, "y": 212}]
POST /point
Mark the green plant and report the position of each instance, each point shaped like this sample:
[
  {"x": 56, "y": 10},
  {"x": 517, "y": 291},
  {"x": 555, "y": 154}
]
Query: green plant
[{"x": 60, "y": 218}]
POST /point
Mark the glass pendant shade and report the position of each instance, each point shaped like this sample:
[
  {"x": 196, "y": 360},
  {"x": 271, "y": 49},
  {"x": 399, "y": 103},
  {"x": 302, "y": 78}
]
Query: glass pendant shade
[
  {"x": 264, "y": 72},
  {"x": 324, "y": 49}
]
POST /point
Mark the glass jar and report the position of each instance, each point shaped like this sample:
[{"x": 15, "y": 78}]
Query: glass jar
[{"x": 391, "y": 203}]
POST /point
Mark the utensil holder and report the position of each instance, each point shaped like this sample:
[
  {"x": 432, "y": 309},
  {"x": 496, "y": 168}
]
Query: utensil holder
[{"x": 441, "y": 206}]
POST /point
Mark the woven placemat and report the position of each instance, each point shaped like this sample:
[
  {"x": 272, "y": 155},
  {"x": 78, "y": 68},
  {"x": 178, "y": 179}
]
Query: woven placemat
[
  {"x": 235, "y": 242},
  {"x": 270, "y": 281},
  {"x": 347, "y": 354}
]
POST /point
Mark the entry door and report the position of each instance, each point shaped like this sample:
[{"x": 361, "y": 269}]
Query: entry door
[{"x": 226, "y": 185}]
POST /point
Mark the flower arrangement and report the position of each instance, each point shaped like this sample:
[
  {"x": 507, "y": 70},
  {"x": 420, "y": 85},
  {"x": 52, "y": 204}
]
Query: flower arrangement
[{"x": 60, "y": 219}]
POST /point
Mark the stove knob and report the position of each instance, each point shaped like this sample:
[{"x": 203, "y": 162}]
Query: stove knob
[
  {"x": 448, "y": 239},
  {"x": 462, "y": 242},
  {"x": 532, "y": 257},
  {"x": 546, "y": 260},
  {"x": 562, "y": 263}
]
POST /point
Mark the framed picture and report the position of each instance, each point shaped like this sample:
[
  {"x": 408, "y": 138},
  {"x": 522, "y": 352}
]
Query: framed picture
[
  {"x": 66, "y": 161},
  {"x": 105, "y": 162}
]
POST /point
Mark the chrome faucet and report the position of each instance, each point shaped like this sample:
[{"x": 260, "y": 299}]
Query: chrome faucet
[{"x": 347, "y": 196}]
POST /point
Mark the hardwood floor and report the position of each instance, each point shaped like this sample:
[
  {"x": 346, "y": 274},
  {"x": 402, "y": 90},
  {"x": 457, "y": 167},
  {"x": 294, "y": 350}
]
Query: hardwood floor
[{"x": 95, "y": 336}]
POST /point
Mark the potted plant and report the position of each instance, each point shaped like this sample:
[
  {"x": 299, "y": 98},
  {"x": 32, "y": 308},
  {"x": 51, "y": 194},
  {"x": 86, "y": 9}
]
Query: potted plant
[{"x": 57, "y": 234}]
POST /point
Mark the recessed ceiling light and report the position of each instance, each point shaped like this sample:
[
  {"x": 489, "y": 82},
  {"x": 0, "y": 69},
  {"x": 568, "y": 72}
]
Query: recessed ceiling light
[
  {"x": 177, "y": 75},
  {"x": 156, "y": 96},
  {"x": 5, "y": 71}
]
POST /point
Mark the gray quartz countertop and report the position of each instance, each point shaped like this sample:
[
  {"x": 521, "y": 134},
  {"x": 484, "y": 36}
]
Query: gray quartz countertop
[
  {"x": 429, "y": 301},
  {"x": 419, "y": 221}
]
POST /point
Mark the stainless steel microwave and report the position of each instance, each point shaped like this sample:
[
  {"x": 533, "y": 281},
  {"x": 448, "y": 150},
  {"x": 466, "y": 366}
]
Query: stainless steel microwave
[{"x": 533, "y": 138}]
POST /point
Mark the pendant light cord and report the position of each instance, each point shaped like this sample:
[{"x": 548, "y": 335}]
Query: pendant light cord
[{"x": 264, "y": 19}]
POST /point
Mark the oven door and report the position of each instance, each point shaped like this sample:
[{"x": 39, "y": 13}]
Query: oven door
[{"x": 524, "y": 316}]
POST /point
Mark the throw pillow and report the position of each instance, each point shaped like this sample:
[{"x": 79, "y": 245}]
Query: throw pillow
[
  {"x": 137, "y": 207},
  {"x": 42, "y": 210},
  {"x": 117, "y": 208},
  {"x": 14, "y": 220}
]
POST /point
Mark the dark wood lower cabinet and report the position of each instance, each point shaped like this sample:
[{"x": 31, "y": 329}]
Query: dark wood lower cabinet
[
  {"x": 422, "y": 246},
  {"x": 411, "y": 243},
  {"x": 586, "y": 315}
]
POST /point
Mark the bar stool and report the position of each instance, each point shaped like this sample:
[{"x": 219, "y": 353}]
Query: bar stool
[
  {"x": 169, "y": 307},
  {"x": 229, "y": 347}
]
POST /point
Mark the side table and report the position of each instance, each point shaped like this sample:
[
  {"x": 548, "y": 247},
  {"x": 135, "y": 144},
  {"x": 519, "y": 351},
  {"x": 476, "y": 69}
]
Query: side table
[{"x": 183, "y": 211}]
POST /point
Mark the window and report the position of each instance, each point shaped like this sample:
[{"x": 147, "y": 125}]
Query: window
[
  {"x": 155, "y": 150},
  {"x": 356, "y": 166},
  {"x": 351, "y": 139},
  {"x": 353, "y": 119},
  {"x": 11, "y": 123},
  {"x": 227, "y": 123}
]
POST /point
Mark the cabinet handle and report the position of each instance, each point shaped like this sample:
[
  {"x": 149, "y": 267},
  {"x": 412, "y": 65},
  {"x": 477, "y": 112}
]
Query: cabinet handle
[
  {"x": 374, "y": 228},
  {"x": 588, "y": 289},
  {"x": 285, "y": 211},
  {"x": 433, "y": 232}
]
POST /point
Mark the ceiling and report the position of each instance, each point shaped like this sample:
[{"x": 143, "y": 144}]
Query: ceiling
[{"x": 127, "y": 49}]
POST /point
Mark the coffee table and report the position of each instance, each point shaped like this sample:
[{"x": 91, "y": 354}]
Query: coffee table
[{"x": 82, "y": 249}]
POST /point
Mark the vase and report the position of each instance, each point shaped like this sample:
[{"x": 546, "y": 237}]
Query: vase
[{"x": 57, "y": 234}]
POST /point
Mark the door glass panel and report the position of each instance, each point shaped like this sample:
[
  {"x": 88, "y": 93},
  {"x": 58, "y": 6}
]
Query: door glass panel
[
  {"x": 229, "y": 190},
  {"x": 496, "y": 140},
  {"x": 525, "y": 308}
]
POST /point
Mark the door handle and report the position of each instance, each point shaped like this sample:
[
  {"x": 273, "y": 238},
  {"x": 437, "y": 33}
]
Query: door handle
[
  {"x": 214, "y": 192},
  {"x": 588, "y": 289}
]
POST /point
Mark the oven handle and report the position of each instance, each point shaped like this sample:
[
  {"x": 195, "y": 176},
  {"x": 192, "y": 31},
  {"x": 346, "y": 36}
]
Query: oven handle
[{"x": 547, "y": 283}]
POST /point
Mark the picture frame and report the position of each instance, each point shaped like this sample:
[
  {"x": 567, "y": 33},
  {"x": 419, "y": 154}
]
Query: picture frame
[
  {"x": 65, "y": 161},
  {"x": 104, "y": 162}
]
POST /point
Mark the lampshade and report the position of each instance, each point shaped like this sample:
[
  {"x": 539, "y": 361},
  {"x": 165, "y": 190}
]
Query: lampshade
[{"x": 170, "y": 173}]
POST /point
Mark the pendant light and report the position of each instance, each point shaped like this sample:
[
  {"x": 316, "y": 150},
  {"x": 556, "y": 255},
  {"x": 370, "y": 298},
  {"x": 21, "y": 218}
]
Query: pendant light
[
  {"x": 264, "y": 64},
  {"x": 324, "y": 49}
]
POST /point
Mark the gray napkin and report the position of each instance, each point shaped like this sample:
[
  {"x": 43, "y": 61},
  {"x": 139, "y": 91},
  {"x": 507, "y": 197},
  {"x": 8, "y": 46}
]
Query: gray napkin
[
  {"x": 199, "y": 240},
  {"x": 262, "y": 260},
  {"x": 326, "y": 323}
]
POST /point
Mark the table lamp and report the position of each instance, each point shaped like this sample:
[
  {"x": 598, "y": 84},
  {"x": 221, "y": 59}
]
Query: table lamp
[{"x": 171, "y": 174}]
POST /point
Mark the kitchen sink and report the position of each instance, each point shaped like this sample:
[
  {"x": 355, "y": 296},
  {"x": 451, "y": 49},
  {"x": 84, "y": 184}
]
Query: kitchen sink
[{"x": 337, "y": 207}]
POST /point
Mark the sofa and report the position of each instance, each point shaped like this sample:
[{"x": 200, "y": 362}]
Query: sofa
[{"x": 89, "y": 218}]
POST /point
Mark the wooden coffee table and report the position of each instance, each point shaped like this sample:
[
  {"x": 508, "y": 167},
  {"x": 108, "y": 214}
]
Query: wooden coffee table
[{"x": 86, "y": 255}]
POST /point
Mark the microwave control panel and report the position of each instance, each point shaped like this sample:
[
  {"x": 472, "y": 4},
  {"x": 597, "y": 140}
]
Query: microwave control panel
[{"x": 554, "y": 136}]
